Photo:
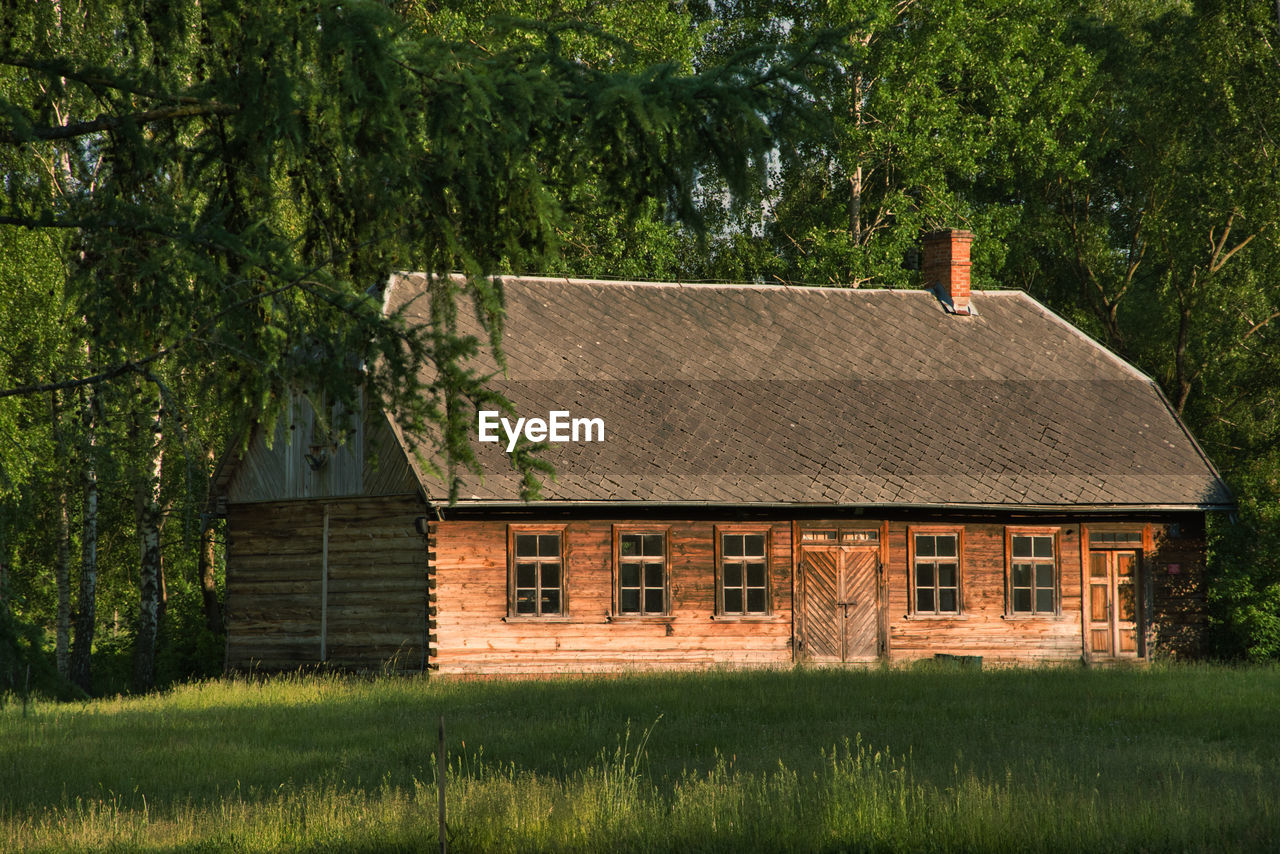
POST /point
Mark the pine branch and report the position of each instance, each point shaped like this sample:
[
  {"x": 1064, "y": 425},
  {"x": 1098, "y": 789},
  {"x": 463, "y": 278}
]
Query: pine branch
[
  {"x": 111, "y": 123},
  {"x": 61, "y": 68},
  {"x": 109, "y": 374}
]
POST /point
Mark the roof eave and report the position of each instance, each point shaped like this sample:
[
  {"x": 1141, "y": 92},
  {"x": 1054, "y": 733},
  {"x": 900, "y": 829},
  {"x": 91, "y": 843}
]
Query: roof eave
[{"x": 497, "y": 503}]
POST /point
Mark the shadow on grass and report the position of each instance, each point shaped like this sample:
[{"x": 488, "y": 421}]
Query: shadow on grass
[{"x": 1122, "y": 735}]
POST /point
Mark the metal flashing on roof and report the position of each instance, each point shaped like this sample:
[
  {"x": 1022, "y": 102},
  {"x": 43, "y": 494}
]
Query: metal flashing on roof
[{"x": 949, "y": 306}]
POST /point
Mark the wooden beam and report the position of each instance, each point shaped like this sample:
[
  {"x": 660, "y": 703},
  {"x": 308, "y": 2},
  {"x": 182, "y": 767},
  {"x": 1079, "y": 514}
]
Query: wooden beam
[{"x": 324, "y": 588}]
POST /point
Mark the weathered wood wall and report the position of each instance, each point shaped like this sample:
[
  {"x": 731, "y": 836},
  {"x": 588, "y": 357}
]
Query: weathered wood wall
[
  {"x": 476, "y": 635},
  {"x": 376, "y": 596},
  {"x": 1177, "y": 591},
  {"x": 368, "y": 462},
  {"x": 374, "y": 607},
  {"x": 1170, "y": 588},
  {"x": 984, "y": 628}
]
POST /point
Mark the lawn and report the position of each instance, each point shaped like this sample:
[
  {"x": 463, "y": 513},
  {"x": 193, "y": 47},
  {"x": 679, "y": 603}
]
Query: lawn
[{"x": 1163, "y": 759}]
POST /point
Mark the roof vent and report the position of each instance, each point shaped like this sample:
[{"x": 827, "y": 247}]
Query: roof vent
[{"x": 946, "y": 268}]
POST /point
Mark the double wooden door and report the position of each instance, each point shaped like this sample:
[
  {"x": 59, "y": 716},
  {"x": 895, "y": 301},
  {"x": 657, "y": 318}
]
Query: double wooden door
[
  {"x": 840, "y": 603},
  {"x": 1113, "y": 604}
]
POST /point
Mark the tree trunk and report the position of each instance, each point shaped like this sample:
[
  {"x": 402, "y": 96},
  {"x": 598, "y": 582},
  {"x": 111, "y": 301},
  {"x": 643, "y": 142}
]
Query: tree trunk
[
  {"x": 8, "y": 666},
  {"x": 855, "y": 179},
  {"x": 149, "y": 514},
  {"x": 208, "y": 581},
  {"x": 1181, "y": 374},
  {"x": 4, "y": 577},
  {"x": 62, "y": 570},
  {"x": 87, "y": 607},
  {"x": 855, "y": 206}
]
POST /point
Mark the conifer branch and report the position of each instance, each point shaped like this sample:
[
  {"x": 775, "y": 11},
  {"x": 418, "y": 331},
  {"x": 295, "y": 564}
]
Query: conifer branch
[{"x": 111, "y": 123}]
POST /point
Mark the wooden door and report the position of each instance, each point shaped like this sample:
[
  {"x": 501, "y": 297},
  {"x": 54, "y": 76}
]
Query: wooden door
[
  {"x": 1113, "y": 604},
  {"x": 839, "y": 603}
]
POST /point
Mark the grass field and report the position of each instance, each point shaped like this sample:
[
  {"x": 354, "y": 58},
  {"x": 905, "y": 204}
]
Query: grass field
[{"x": 1167, "y": 759}]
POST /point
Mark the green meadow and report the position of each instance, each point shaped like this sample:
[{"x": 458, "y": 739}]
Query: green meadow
[{"x": 924, "y": 759}]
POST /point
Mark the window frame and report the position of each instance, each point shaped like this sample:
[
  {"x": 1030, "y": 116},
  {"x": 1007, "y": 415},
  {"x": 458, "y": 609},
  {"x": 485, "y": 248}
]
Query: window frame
[
  {"x": 1055, "y": 534},
  {"x": 619, "y": 531},
  {"x": 914, "y": 601},
  {"x": 514, "y": 531},
  {"x": 744, "y": 530}
]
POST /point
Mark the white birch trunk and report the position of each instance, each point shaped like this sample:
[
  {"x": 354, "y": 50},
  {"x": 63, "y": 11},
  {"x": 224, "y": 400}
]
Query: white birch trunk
[
  {"x": 62, "y": 570},
  {"x": 149, "y": 514},
  {"x": 87, "y": 606}
]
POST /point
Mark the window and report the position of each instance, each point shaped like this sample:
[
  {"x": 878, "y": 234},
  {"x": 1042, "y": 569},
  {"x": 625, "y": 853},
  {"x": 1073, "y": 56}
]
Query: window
[
  {"x": 1116, "y": 539},
  {"x": 860, "y": 535},
  {"x": 1033, "y": 573},
  {"x": 848, "y": 536},
  {"x": 830, "y": 537},
  {"x": 936, "y": 572},
  {"x": 744, "y": 571},
  {"x": 537, "y": 572},
  {"x": 641, "y": 561}
]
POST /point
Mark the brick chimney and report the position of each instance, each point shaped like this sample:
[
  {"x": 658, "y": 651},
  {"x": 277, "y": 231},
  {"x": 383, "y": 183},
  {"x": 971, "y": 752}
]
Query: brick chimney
[{"x": 946, "y": 268}]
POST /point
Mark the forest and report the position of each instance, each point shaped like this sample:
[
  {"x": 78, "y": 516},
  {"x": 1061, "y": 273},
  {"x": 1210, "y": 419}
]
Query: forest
[{"x": 201, "y": 199}]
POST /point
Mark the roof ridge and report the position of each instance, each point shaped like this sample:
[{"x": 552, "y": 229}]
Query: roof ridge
[
  {"x": 653, "y": 283},
  {"x": 405, "y": 275}
]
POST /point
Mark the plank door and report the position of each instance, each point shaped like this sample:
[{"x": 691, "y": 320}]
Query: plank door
[
  {"x": 840, "y": 603},
  {"x": 1113, "y": 604}
]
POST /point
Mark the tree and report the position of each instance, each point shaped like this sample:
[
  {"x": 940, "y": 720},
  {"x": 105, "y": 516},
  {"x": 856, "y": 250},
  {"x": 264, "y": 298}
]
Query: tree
[
  {"x": 1165, "y": 247},
  {"x": 34, "y": 436},
  {"x": 232, "y": 183},
  {"x": 940, "y": 111}
]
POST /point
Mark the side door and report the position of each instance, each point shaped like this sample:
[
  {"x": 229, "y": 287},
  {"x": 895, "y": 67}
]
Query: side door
[{"x": 1113, "y": 612}]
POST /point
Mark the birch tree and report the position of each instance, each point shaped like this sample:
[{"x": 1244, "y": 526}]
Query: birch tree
[{"x": 231, "y": 184}]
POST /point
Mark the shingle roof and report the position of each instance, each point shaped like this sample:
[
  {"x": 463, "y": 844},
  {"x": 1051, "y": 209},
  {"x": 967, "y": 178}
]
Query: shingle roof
[{"x": 763, "y": 394}]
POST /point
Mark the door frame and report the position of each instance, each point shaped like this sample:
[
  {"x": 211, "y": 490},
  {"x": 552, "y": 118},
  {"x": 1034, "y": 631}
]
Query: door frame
[
  {"x": 1140, "y": 547},
  {"x": 869, "y": 536}
]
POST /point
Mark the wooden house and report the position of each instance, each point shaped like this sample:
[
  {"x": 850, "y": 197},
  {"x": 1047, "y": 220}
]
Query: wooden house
[{"x": 745, "y": 475}]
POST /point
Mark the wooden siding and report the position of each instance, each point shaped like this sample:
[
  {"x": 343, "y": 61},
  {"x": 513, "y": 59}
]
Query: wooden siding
[
  {"x": 1176, "y": 591},
  {"x": 386, "y": 466},
  {"x": 375, "y": 608},
  {"x": 381, "y": 605},
  {"x": 1172, "y": 615},
  {"x": 983, "y": 627},
  {"x": 369, "y": 462},
  {"x": 476, "y": 635}
]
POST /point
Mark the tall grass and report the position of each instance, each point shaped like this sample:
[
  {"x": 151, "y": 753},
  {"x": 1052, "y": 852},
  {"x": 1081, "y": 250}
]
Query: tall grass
[{"x": 1178, "y": 759}]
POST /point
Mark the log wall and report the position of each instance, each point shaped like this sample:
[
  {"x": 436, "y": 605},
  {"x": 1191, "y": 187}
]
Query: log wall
[
  {"x": 376, "y": 598},
  {"x": 1171, "y": 590},
  {"x": 476, "y": 634},
  {"x": 372, "y": 604},
  {"x": 1176, "y": 591},
  {"x": 983, "y": 627}
]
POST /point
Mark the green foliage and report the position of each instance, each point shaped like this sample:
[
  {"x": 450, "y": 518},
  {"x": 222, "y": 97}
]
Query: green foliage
[
  {"x": 940, "y": 112},
  {"x": 597, "y": 237},
  {"x": 203, "y": 201},
  {"x": 1165, "y": 247},
  {"x": 1177, "y": 759},
  {"x": 231, "y": 207}
]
